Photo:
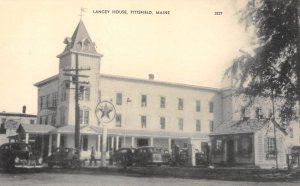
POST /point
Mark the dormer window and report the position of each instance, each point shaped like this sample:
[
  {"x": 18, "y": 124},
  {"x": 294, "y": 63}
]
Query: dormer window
[{"x": 85, "y": 44}]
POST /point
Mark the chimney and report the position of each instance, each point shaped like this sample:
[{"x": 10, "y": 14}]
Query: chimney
[
  {"x": 24, "y": 109},
  {"x": 151, "y": 76}
]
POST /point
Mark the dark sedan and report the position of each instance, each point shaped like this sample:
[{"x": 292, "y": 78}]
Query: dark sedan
[
  {"x": 18, "y": 154},
  {"x": 123, "y": 157},
  {"x": 65, "y": 157}
]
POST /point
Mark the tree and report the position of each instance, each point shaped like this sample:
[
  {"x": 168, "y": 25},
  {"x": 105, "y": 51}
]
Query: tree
[{"x": 273, "y": 71}]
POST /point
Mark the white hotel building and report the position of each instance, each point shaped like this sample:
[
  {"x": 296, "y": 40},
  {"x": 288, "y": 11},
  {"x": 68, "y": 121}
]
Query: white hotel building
[{"x": 148, "y": 112}]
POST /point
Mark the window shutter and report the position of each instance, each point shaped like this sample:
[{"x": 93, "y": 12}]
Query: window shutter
[{"x": 266, "y": 145}]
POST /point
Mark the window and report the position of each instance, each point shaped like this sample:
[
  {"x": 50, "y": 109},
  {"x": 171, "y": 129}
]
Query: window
[
  {"x": 41, "y": 102},
  {"x": 198, "y": 125},
  {"x": 258, "y": 113},
  {"x": 271, "y": 145},
  {"x": 84, "y": 117},
  {"x": 211, "y": 126},
  {"x": 144, "y": 121},
  {"x": 180, "y": 104},
  {"x": 291, "y": 132},
  {"x": 245, "y": 145},
  {"x": 162, "y": 122},
  {"x": 144, "y": 101},
  {"x": 119, "y": 99},
  {"x": 62, "y": 117},
  {"x": 118, "y": 120},
  {"x": 53, "y": 119},
  {"x": 218, "y": 145},
  {"x": 84, "y": 93},
  {"x": 198, "y": 106},
  {"x": 54, "y": 99},
  {"x": 41, "y": 120},
  {"x": 46, "y": 120},
  {"x": 162, "y": 102},
  {"x": 47, "y": 101},
  {"x": 180, "y": 124},
  {"x": 32, "y": 121},
  {"x": 211, "y": 107},
  {"x": 243, "y": 113},
  {"x": 64, "y": 95},
  {"x": 85, "y": 142}
]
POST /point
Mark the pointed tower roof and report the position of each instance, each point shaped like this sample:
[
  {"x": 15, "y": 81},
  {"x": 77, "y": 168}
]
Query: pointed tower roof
[{"x": 80, "y": 42}]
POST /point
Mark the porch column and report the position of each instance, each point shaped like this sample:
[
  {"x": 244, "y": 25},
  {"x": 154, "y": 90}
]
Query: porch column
[
  {"x": 43, "y": 141},
  {"x": 132, "y": 141},
  {"x": 58, "y": 140},
  {"x": 170, "y": 146},
  {"x": 50, "y": 145},
  {"x": 117, "y": 142},
  {"x": 98, "y": 144},
  {"x": 151, "y": 141},
  {"x": 112, "y": 143},
  {"x": 104, "y": 143},
  {"x": 26, "y": 138}
]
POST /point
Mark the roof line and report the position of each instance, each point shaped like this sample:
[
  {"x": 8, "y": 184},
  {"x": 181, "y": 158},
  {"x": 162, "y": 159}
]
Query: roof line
[
  {"x": 45, "y": 81},
  {"x": 126, "y": 78}
]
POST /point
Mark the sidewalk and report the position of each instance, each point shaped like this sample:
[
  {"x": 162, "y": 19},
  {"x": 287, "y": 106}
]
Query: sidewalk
[{"x": 228, "y": 173}]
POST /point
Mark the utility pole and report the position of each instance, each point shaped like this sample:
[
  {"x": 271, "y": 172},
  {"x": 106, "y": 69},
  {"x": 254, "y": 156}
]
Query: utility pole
[{"x": 75, "y": 80}]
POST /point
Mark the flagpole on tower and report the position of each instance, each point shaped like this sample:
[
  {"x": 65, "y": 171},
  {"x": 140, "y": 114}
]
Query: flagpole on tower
[{"x": 81, "y": 12}]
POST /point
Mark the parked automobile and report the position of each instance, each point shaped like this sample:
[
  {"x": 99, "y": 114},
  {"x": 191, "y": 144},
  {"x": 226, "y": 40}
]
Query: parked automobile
[
  {"x": 148, "y": 155},
  {"x": 18, "y": 154},
  {"x": 201, "y": 159},
  {"x": 124, "y": 157},
  {"x": 166, "y": 156},
  {"x": 64, "y": 157}
]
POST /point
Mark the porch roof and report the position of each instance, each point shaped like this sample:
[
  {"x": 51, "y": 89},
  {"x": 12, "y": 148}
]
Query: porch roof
[
  {"x": 35, "y": 129},
  {"x": 238, "y": 127},
  {"x": 246, "y": 126},
  {"x": 87, "y": 129},
  {"x": 84, "y": 129}
]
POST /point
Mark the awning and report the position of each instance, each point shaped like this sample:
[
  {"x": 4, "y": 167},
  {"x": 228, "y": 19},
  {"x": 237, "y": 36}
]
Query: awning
[
  {"x": 35, "y": 129},
  {"x": 87, "y": 129}
]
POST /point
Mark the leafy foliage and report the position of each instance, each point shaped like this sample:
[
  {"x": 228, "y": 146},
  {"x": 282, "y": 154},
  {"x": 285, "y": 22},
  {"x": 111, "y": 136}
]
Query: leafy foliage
[{"x": 273, "y": 70}]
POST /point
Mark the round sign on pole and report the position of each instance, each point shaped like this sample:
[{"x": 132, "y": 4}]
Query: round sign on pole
[{"x": 105, "y": 112}]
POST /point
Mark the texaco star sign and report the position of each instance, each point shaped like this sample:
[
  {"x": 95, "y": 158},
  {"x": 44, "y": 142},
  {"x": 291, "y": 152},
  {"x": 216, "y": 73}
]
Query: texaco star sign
[{"x": 105, "y": 112}]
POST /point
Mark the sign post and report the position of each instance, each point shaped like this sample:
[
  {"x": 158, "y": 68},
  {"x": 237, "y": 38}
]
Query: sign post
[{"x": 105, "y": 112}]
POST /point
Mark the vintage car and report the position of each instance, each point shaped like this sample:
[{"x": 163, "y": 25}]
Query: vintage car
[
  {"x": 147, "y": 156},
  {"x": 166, "y": 156},
  {"x": 124, "y": 157},
  {"x": 18, "y": 154},
  {"x": 64, "y": 157}
]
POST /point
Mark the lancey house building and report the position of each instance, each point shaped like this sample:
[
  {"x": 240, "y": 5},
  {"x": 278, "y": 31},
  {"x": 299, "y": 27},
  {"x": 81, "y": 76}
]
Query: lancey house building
[{"x": 148, "y": 112}]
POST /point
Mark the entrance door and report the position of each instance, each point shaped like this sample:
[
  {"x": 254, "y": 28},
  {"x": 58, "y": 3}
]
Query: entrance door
[
  {"x": 142, "y": 142},
  {"x": 230, "y": 151}
]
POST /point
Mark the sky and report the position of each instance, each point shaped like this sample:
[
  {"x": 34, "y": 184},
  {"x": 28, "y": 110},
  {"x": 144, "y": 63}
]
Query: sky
[{"x": 190, "y": 45}]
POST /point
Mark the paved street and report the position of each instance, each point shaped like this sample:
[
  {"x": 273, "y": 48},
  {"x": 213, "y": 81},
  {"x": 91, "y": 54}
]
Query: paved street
[{"x": 46, "y": 179}]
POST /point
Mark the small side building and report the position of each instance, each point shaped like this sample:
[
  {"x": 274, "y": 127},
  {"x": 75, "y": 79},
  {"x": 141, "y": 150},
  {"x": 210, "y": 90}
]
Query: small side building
[{"x": 249, "y": 143}]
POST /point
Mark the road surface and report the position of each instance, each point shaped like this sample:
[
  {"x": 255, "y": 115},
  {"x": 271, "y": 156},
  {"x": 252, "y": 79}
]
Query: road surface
[{"x": 69, "y": 179}]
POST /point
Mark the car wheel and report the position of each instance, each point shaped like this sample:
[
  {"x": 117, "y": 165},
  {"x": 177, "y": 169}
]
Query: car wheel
[
  {"x": 10, "y": 163},
  {"x": 119, "y": 162}
]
